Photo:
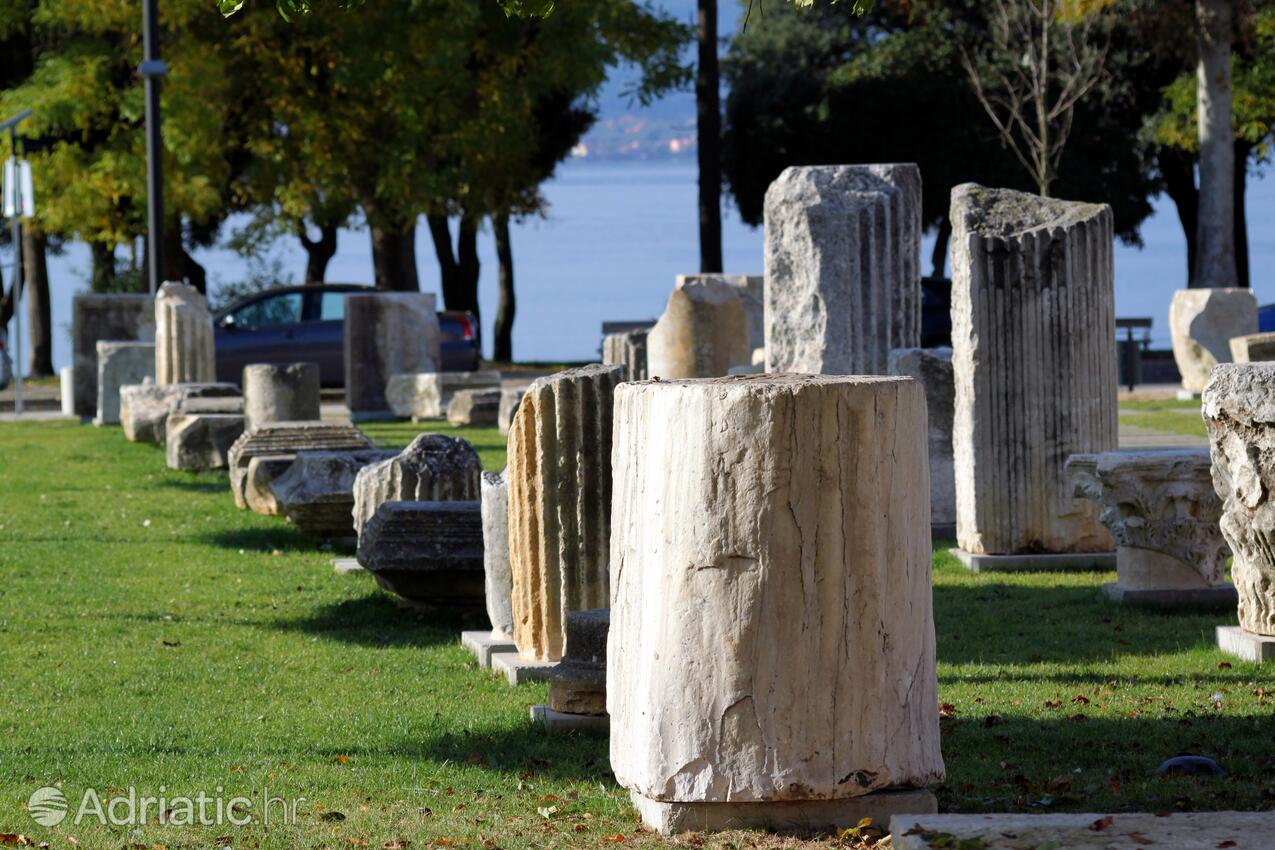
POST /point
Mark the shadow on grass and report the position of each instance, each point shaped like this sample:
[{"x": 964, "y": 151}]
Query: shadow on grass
[
  {"x": 378, "y": 620},
  {"x": 202, "y": 484},
  {"x": 282, "y": 536},
  {"x": 523, "y": 750}
]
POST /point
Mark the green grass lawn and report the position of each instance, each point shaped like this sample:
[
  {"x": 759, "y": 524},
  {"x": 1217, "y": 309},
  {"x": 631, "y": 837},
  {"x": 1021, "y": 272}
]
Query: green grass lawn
[
  {"x": 1168, "y": 415},
  {"x": 152, "y": 635}
]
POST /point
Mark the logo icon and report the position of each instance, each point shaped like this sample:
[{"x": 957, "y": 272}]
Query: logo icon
[{"x": 47, "y": 806}]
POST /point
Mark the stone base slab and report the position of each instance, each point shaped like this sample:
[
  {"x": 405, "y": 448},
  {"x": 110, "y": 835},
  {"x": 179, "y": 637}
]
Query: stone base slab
[
  {"x": 1187, "y": 395},
  {"x": 519, "y": 670},
  {"x": 1053, "y": 562},
  {"x": 484, "y": 646},
  {"x": 558, "y": 722},
  {"x": 1176, "y": 830},
  {"x": 345, "y": 566},
  {"x": 1233, "y": 640},
  {"x": 1217, "y": 598},
  {"x": 783, "y": 815}
]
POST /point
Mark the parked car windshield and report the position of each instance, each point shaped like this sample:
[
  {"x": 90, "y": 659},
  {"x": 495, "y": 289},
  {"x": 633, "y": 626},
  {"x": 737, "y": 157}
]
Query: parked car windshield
[{"x": 283, "y": 309}]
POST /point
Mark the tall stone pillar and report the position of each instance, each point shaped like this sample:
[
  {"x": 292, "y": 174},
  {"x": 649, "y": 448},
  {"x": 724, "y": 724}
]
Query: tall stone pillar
[
  {"x": 1034, "y": 357},
  {"x": 702, "y": 333},
  {"x": 771, "y": 659},
  {"x": 95, "y": 318},
  {"x": 751, "y": 289},
  {"x": 627, "y": 349},
  {"x": 1202, "y": 323},
  {"x": 387, "y": 334},
  {"x": 560, "y": 504},
  {"x": 183, "y": 336},
  {"x": 843, "y": 280},
  {"x": 933, "y": 368},
  {"x": 499, "y": 580}
]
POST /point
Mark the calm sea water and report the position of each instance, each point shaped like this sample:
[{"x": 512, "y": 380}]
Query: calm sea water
[{"x": 616, "y": 235}]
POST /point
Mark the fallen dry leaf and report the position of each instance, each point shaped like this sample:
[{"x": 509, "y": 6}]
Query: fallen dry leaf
[{"x": 1101, "y": 823}]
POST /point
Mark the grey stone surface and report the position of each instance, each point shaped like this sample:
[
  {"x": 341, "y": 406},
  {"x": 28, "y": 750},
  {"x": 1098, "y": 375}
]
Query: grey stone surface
[
  {"x": 751, "y": 289},
  {"x": 474, "y": 407},
  {"x": 499, "y": 578},
  {"x": 289, "y": 438},
  {"x": 427, "y": 552},
  {"x": 1253, "y": 348},
  {"x": 1041, "y": 562},
  {"x": 510, "y": 399},
  {"x": 702, "y": 333},
  {"x": 426, "y": 395},
  {"x": 484, "y": 645},
  {"x": 258, "y": 493},
  {"x": 560, "y": 504},
  {"x": 433, "y": 468},
  {"x": 803, "y": 816},
  {"x": 1218, "y": 598},
  {"x": 387, "y": 334},
  {"x": 200, "y": 441},
  {"x": 316, "y": 492},
  {"x": 1201, "y": 325},
  {"x": 1234, "y": 640},
  {"x": 519, "y": 670},
  {"x": 932, "y": 367},
  {"x": 183, "y": 336},
  {"x": 1124, "y": 831},
  {"x": 579, "y": 684},
  {"x": 1034, "y": 358},
  {"x": 1239, "y": 412},
  {"x": 275, "y": 393},
  {"x": 347, "y": 566},
  {"x": 627, "y": 349},
  {"x": 563, "y": 722},
  {"x": 843, "y": 280},
  {"x": 103, "y": 317},
  {"x": 120, "y": 364},
  {"x": 145, "y": 408}
]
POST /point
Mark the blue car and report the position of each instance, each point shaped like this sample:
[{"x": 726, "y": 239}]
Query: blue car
[
  {"x": 294, "y": 324},
  {"x": 1266, "y": 318}
]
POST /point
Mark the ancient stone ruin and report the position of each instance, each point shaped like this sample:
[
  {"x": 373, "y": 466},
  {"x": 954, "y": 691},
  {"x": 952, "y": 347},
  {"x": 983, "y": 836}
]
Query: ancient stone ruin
[
  {"x": 386, "y": 334},
  {"x": 120, "y": 364},
  {"x": 1202, "y": 323},
  {"x": 702, "y": 333},
  {"x": 316, "y": 492},
  {"x": 932, "y": 367},
  {"x": 103, "y": 317},
  {"x": 433, "y": 468},
  {"x": 275, "y": 393},
  {"x": 430, "y": 553},
  {"x": 282, "y": 439},
  {"x": 183, "y": 336}
]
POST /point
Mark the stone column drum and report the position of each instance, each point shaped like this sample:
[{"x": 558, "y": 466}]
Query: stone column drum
[
  {"x": 771, "y": 659},
  {"x": 560, "y": 504},
  {"x": 1160, "y": 508},
  {"x": 843, "y": 280},
  {"x": 1034, "y": 358},
  {"x": 627, "y": 349},
  {"x": 1239, "y": 411},
  {"x": 933, "y": 368},
  {"x": 1202, "y": 323},
  {"x": 702, "y": 333},
  {"x": 274, "y": 393},
  {"x": 183, "y": 336},
  {"x": 386, "y": 334},
  {"x": 103, "y": 317},
  {"x": 751, "y": 290},
  {"x": 499, "y": 580}
]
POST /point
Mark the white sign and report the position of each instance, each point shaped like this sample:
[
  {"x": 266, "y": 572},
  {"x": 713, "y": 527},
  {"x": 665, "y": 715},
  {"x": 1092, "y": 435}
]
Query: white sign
[{"x": 19, "y": 194}]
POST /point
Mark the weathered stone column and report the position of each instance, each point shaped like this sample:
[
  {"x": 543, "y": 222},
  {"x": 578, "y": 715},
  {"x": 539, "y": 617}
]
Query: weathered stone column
[
  {"x": 183, "y": 336},
  {"x": 499, "y": 580},
  {"x": 1253, "y": 348},
  {"x": 843, "y": 280},
  {"x": 433, "y": 468},
  {"x": 288, "y": 438},
  {"x": 1034, "y": 357},
  {"x": 751, "y": 289},
  {"x": 771, "y": 657},
  {"x": 933, "y": 368},
  {"x": 386, "y": 334},
  {"x": 103, "y": 317},
  {"x": 120, "y": 364},
  {"x": 280, "y": 393},
  {"x": 1160, "y": 508},
  {"x": 430, "y": 553},
  {"x": 317, "y": 491},
  {"x": 702, "y": 333},
  {"x": 627, "y": 349},
  {"x": 1202, "y": 323},
  {"x": 560, "y": 504}
]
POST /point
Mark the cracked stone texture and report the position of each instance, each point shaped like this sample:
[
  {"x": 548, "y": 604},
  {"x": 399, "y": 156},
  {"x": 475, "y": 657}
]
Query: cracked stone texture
[
  {"x": 843, "y": 280},
  {"x": 433, "y": 468},
  {"x": 1253, "y": 348},
  {"x": 426, "y": 395},
  {"x": 1160, "y": 508},
  {"x": 772, "y": 632},
  {"x": 183, "y": 336},
  {"x": 1202, "y": 323},
  {"x": 560, "y": 504},
  {"x": 509, "y": 401},
  {"x": 428, "y": 552},
  {"x": 316, "y": 492},
  {"x": 258, "y": 493},
  {"x": 702, "y": 333},
  {"x": 498, "y": 578},
  {"x": 387, "y": 334},
  {"x": 1239, "y": 411},
  {"x": 201, "y": 441},
  {"x": 751, "y": 290},
  {"x": 120, "y": 364},
  {"x": 627, "y": 349},
  {"x": 1034, "y": 359},
  {"x": 288, "y": 438},
  {"x": 474, "y": 407},
  {"x": 578, "y": 685},
  {"x": 1124, "y": 831},
  {"x": 103, "y": 317},
  {"x": 145, "y": 408},
  {"x": 932, "y": 367},
  {"x": 277, "y": 393}
]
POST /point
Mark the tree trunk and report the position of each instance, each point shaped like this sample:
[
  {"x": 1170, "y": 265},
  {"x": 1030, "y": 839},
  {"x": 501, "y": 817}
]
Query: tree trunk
[
  {"x": 39, "y": 318},
  {"x": 458, "y": 268},
  {"x": 394, "y": 258},
  {"x": 1215, "y": 257},
  {"x": 6, "y": 304},
  {"x": 103, "y": 254},
  {"x": 174, "y": 253},
  {"x": 709, "y": 127},
  {"x": 467, "y": 257},
  {"x": 193, "y": 273},
  {"x": 319, "y": 252},
  {"x": 1242, "y": 150},
  {"x": 938, "y": 259},
  {"x": 1178, "y": 171},
  {"x": 507, "y": 306}
]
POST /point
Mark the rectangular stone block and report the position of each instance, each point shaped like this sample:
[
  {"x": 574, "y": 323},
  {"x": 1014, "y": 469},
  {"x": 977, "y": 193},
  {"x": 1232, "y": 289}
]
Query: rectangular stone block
[
  {"x": 1233, "y": 640},
  {"x": 485, "y": 645},
  {"x": 387, "y": 334},
  {"x": 183, "y": 336},
  {"x": 802, "y": 816},
  {"x": 103, "y": 317},
  {"x": 201, "y": 441},
  {"x": 427, "y": 395},
  {"x": 120, "y": 364},
  {"x": 1253, "y": 348}
]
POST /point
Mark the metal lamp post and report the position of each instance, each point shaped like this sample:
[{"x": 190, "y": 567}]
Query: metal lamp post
[
  {"x": 153, "y": 71},
  {"x": 16, "y": 205}
]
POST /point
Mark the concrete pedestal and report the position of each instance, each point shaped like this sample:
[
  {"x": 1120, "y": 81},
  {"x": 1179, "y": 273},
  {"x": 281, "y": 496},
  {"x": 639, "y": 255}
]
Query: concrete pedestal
[
  {"x": 1219, "y": 598},
  {"x": 485, "y": 647},
  {"x": 1233, "y": 640},
  {"x": 1036, "y": 563},
  {"x": 519, "y": 670},
  {"x": 783, "y": 815}
]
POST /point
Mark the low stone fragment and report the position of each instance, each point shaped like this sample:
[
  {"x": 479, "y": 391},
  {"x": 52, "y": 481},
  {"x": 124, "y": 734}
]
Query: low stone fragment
[
  {"x": 1253, "y": 348},
  {"x": 145, "y": 408},
  {"x": 509, "y": 401},
  {"x": 316, "y": 492},
  {"x": 428, "y": 552},
  {"x": 426, "y": 395},
  {"x": 257, "y": 490},
  {"x": 627, "y": 349},
  {"x": 96, "y": 317},
  {"x": 474, "y": 407},
  {"x": 578, "y": 685},
  {"x": 1202, "y": 323},
  {"x": 702, "y": 333},
  {"x": 433, "y": 468},
  {"x": 289, "y": 438},
  {"x": 275, "y": 393},
  {"x": 120, "y": 364},
  {"x": 751, "y": 291},
  {"x": 499, "y": 579},
  {"x": 201, "y": 441},
  {"x": 386, "y": 334}
]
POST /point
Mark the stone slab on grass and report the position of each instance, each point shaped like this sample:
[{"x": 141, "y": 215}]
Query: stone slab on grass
[
  {"x": 345, "y": 566},
  {"x": 560, "y": 722},
  {"x": 1173, "y": 831},
  {"x": 519, "y": 670},
  {"x": 1218, "y": 598},
  {"x": 1036, "y": 563},
  {"x": 484, "y": 646},
  {"x": 783, "y": 815},
  {"x": 1233, "y": 640}
]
